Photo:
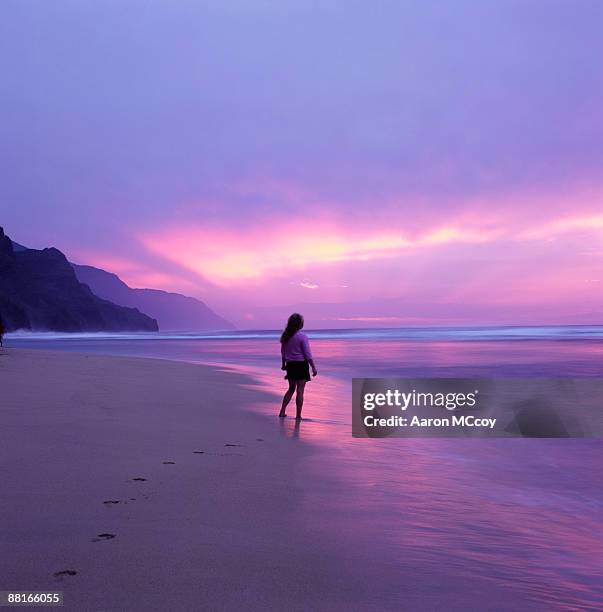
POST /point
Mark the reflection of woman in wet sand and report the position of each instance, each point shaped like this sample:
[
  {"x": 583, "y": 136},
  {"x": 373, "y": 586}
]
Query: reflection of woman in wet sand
[{"x": 297, "y": 361}]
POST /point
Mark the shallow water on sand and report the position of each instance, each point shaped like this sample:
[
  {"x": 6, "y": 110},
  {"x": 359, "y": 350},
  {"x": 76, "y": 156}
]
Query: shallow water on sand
[{"x": 515, "y": 519}]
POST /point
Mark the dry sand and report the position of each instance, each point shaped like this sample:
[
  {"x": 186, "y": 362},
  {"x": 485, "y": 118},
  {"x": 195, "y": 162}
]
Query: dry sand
[{"x": 216, "y": 529}]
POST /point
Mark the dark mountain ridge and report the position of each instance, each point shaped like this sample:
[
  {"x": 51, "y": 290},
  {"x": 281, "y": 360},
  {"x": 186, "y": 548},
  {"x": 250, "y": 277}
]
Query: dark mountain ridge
[
  {"x": 40, "y": 291},
  {"x": 173, "y": 311}
]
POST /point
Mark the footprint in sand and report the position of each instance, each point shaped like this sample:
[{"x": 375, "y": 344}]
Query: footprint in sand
[
  {"x": 199, "y": 452},
  {"x": 111, "y": 501},
  {"x": 139, "y": 479},
  {"x": 259, "y": 439},
  {"x": 103, "y": 536},
  {"x": 64, "y": 573},
  {"x": 234, "y": 445},
  {"x": 169, "y": 462}
]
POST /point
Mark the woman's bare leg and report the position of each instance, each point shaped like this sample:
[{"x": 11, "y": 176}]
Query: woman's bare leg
[
  {"x": 287, "y": 397},
  {"x": 299, "y": 397}
]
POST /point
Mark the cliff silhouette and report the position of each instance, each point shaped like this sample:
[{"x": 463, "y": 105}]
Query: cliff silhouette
[
  {"x": 40, "y": 291},
  {"x": 173, "y": 311}
]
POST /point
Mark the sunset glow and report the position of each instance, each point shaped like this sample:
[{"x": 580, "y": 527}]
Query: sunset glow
[
  {"x": 360, "y": 179},
  {"x": 229, "y": 258}
]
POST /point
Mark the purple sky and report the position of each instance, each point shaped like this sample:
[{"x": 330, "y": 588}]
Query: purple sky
[{"x": 384, "y": 162}]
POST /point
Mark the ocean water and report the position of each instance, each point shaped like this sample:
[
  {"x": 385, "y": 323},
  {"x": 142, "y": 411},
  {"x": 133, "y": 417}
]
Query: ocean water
[{"x": 495, "y": 524}]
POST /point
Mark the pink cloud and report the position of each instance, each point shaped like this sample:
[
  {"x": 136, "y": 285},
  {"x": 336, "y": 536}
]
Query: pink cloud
[
  {"x": 576, "y": 223},
  {"x": 229, "y": 257},
  {"x": 530, "y": 249}
]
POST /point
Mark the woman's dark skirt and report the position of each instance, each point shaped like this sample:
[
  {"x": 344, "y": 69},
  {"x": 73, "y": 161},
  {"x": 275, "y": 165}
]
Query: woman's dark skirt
[{"x": 297, "y": 370}]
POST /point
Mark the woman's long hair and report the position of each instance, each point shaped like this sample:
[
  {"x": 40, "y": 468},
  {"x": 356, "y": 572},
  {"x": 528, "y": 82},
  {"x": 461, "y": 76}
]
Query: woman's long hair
[{"x": 294, "y": 324}]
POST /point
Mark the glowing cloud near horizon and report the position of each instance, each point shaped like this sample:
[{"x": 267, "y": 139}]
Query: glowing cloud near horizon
[
  {"x": 226, "y": 257},
  {"x": 580, "y": 223}
]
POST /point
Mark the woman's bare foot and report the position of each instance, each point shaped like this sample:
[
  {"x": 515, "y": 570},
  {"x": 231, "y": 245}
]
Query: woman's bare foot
[
  {"x": 281, "y": 415},
  {"x": 298, "y": 418}
]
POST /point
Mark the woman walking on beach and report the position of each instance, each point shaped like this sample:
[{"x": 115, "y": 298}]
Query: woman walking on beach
[{"x": 297, "y": 361}]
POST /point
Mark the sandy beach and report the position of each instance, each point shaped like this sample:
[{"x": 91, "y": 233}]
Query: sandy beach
[
  {"x": 211, "y": 526},
  {"x": 133, "y": 483}
]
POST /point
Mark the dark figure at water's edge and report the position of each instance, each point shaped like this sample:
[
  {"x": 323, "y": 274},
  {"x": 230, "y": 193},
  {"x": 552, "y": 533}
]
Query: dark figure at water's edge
[
  {"x": 1, "y": 331},
  {"x": 297, "y": 361}
]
